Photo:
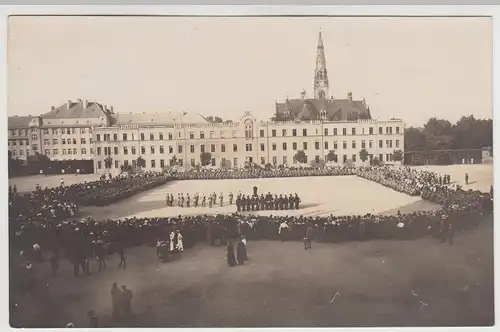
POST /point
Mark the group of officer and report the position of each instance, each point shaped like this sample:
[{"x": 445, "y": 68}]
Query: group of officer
[
  {"x": 267, "y": 202},
  {"x": 197, "y": 200}
]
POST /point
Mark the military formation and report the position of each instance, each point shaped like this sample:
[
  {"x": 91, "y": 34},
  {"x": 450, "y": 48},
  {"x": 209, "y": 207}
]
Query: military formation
[
  {"x": 198, "y": 199},
  {"x": 267, "y": 202}
]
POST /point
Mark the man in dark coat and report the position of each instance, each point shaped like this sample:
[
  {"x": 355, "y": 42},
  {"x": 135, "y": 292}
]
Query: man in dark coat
[
  {"x": 115, "y": 296},
  {"x": 309, "y": 236},
  {"x": 126, "y": 300},
  {"x": 231, "y": 260},
  {"x": 241, "y": 252}
]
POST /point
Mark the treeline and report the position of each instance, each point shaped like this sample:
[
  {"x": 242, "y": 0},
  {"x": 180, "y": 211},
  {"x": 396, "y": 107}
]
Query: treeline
[{"x": 438, "y": 134}]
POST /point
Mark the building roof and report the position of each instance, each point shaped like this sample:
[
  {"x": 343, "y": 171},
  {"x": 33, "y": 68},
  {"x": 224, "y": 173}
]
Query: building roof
[
  {"x": 79, "y": 109},
  {"x": 158, "y": 118},
  {"x": 309, "y": 109},
  {"x": 19, "y": 121}
]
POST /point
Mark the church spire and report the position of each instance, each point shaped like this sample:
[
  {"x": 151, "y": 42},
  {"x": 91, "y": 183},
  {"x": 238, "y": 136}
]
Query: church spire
[{"x": 321, "y": 86}]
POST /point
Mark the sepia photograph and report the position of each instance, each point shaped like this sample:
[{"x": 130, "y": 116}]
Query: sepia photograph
[{"x": 250, "y": 171}]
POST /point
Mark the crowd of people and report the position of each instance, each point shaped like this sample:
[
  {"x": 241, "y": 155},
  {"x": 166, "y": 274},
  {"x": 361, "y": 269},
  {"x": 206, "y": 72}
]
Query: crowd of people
[
  {"x": 257, "y": 172},
  {"x": 46, "y": 218}
]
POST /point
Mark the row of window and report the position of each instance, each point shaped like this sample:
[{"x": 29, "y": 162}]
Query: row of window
[
  {"x": 62, "y": 131},
  {"x": 248, "y": 147},
  {"x": 73, "y": 151},
  {"x": 326, "y": 131}
]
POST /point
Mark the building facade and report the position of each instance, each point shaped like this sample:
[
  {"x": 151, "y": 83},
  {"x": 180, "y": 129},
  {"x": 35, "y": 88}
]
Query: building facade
[{"x": 230, "y": 145}]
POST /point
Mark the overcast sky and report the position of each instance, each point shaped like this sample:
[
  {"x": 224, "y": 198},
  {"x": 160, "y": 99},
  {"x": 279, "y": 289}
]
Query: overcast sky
[{"x": 412, "y": 68}]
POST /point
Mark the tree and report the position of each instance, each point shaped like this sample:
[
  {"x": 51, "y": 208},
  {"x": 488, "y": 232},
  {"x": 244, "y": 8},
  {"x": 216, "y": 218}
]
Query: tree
[
  {"x": 205, "y": 158},
  {"x": 173, "y": 161},
  {"x": 108, "y": 163},
  {"x": 397, "y": 155},
  {"x": 140, "y": 162},
  {"x": 331, "y": 156},
  {"x": 376, "y": 162},
  {"x": 363, "y": 155},
  {"x": 214, "y": 119},
  {"x": 301, "y": 157}
]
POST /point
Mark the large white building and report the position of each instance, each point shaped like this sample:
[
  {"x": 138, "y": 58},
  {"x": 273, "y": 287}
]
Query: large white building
[{"x": 161, "y": 140}]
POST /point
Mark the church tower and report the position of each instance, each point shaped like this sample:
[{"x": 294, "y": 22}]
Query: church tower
[{"x": 321, "y": 86}]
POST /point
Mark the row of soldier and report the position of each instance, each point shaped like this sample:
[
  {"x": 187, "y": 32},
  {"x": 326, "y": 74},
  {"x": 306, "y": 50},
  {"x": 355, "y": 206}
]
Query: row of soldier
[
  {"x": 197, "y": 200},
  {"x": 267, "y": 202}
]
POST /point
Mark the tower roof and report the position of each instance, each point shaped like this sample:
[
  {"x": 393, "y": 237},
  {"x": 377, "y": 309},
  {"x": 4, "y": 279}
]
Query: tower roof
[{"x": 320, "y": 40}]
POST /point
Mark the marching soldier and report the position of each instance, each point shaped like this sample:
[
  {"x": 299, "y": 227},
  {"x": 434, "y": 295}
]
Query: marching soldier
[{"x": 230, "y": 198}]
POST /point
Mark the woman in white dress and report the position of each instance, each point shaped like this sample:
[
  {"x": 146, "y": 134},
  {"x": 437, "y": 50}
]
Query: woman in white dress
[
  {"x": 172, "y": 236},
  {"x": 180, "y": 245}
]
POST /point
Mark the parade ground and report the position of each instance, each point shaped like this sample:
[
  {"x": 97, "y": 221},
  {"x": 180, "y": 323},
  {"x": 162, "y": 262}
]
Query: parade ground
[
  {"x": 378, "y": 283},
  {"x": 374, "y": 283}
]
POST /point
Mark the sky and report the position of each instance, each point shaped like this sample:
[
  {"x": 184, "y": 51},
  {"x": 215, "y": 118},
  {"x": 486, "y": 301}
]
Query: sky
[{"x": 409, "y": 68}]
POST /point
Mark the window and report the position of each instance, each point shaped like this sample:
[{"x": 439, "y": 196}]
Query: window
[
  {"x": 162, "y": 150},
  {"x": 304, "y": 132},
  {"x": 284, "y": 159},
  {"x": 248, "y": 147},
  {"x": 294, "y": 132},
  {"x": 344, "y": 145},
  {"x": 344, "y": 158},
  {"x": 45, "y": 131},
  {"x": 262, "y": 160},
  {"x": 275, "y": 160},
  {"x": 83, "y": 140},
  {"x": 74, "y": 140},
  {"x": 69, "y": 151},
  {"x": 116, "y": 164},
  {"x": 273, "y": 133},
  {"x": 397, "y": 142},
  {"x": 370, "y": 144},
  {"x": 387, "y": 144},
  {"x": 170, "y": 149},
  {"x": 99, "y": 164},
  {"x": 143, "y": 150},
  {"x": 397, "y": 130},
  {"x": 179, "y": 148},
  {"x": 45, "y": 142},
  {"x": 274, "y": 146},
  {"x": 170, "y": 136},
  {"x": 84, "y": 151},
  {"x": 125, "y": 163},
  {"x": 54, "y": 152},
  {"x": 380, "y": 143},
  {"x": 54, "y": 141},
  {"x": 34, "y": 147},
  {"x": 98, "y": 138},
  {"x": 134, "y": 150},
  {"x": 363, "y": 144},
  {"x": 192, "y": 162},
  {"x": 125, "y": 150},
  {"x": 14, "y": 153},
  {"x": 262, "y": 133},
  {"x": 316, "y": 145},
  {"x": 202, "y": 134},
  {"x": 283, "y": 132},
  {"x": 262, "y": 148},
  {"x": 91, "y": 150},
  {"x": 98, "y": 151},
  {"x": 353, "y": 158},
  {"x": 124, "y": 137},
  {"x": 223, "y": 148},
  {"x": 222, "y": 134},
  {"x": 151, "y": 138},
  {"x": 370, "y": 131},
  {"x": 326, "y": 132},
  {"x": 202, "y": 148},
  {"x": 387, "y": 157},
  {"x": 191, "y": 135},
  {"x": 152, "y": 149},
  {"x": 381, "y": 157},
  {"x": 64, "y": 151},
  {"x": 344, "y": 131},
  {"x": 326, "y": 145},
  {"x": 212, "y": 134},
  {"x": 115, "y": 150},
  {"x": 380, "y": 130},
  {"x": 47, "y": 152},
  {"x": 160, "y": 137},
  {"x": 213, "y": 161},
  {"x": 191, "y": 148},
  {"x": 235, "y": 147},
  {"x": 153, "y": 163},
  {"x": 316, "y": 159},
  {"x": 235, "y": 134},
  {"x": 294, "y": 146},
  {"x": 304, "y": 145},
  {"x": 142, "y": 136},
  {"x": 63, "y": 141},
  {"x": 284, "y": 146},
  {"x": 235, "y": 162},
  {"x": 353, "y": 144},
  {"x": 212, "y": 147},
  {"x": 334, "y": 131},
  {"x": 162, "y": 163},
  {"x": 353, "y": 131}
]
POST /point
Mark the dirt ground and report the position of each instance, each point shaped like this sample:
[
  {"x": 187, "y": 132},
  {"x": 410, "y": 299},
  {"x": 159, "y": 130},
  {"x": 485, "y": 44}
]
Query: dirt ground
[{"x": 284, "y": 285}]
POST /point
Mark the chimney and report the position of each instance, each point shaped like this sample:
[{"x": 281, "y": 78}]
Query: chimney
[
  {"x": 349, "y": 96},
  {"x": 52, "y": 108},
  {"x": 303, "y": 94},
  {"x": 68, "y": 103},
  {"x": 111, "y": 109},
  {"x": 85, "y": 103}
]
